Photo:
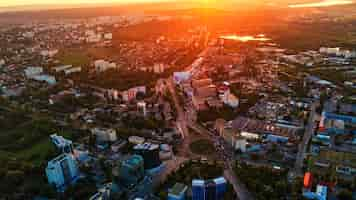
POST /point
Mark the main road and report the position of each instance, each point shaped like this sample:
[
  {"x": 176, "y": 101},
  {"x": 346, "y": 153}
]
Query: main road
[
  {"x": 309, "y": 130},
  {"x": 229, "y": 174}
]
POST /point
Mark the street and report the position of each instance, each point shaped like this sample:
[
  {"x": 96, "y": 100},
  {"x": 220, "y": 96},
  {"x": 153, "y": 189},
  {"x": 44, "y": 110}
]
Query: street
[{"x": 309, "y": 130}]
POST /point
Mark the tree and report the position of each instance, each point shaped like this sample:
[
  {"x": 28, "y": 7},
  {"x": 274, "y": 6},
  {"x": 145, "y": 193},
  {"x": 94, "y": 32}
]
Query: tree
[{"x": 345, "y": 195}]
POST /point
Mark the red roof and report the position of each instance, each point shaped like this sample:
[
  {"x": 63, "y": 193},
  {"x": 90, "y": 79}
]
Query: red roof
[{"x": 308, "y": 180}]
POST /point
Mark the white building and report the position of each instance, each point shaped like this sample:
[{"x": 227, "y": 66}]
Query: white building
[
  {"x": 51, "y": 80},
  {"x": 48, "y": 53},
  {"x": 179, "y": 77},
  {"x": 33, "y": 71},
  {"x": 249, "y": 135},
  {"x": 141, "y": 107},
  {"x": 108, "y": 36},
  {"x": 136, "y": 140},
  {"x": 28, "y": 34},
  {"x": 240, "y": 144},
  {"x": 72, "y": 70},
  {"x": 230, "y": 99},
  {"x": 158, "y": 68},
  {"x": 102, "y": 65},
  {"x": 61, "y": 68},
  {"x": 94, "y": 38},
  {"x": 104, "y": 134}
]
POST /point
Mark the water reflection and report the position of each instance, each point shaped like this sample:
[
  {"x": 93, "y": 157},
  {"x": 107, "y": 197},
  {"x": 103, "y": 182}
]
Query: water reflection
[
  {"x": 324, "y": 3},
  {"x": 260, "y": 37}
]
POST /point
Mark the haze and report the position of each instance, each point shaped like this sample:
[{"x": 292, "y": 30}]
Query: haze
[
  {"x": 6, "y": 3},
  {"x": 291, "y": 3}
]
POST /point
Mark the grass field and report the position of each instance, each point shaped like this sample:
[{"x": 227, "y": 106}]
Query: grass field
[
  {"x": 26, "y": 139},
  {"x": 75, "y": 57}
]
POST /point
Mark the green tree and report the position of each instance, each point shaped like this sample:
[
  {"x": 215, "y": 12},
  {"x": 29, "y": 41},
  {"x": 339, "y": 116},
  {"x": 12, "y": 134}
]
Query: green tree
[{"x": 345, "y": 195}]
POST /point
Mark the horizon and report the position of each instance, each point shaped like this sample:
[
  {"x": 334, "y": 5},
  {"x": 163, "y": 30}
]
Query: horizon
[{"x": 32, "y": 5}]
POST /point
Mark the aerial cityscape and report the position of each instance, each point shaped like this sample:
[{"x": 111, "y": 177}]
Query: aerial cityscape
[{"x": 178, "y": 100}]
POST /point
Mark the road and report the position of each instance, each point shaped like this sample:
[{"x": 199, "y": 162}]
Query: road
[
  {"x": 181, "y": 120},
  {"x": 227, "y": 157},
  {"x": 183, "y": 124},
  {"x": 309, "y": 130}
]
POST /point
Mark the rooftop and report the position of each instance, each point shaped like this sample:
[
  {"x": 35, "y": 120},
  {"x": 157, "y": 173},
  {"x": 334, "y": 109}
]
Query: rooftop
[{"x": 178, "y": 188}]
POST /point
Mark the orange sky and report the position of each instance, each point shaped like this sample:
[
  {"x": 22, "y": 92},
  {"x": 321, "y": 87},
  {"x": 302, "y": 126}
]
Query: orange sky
[{"x": 4, "y": 3}]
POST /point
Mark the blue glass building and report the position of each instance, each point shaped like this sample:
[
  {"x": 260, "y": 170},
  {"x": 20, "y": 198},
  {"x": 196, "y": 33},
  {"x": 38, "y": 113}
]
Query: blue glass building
[
  {"x": 213, "y": 189},
  {"x": 62, "y": 171},
  {"x": 198, "y": 190},
  {"x": 221, "y": 185}
]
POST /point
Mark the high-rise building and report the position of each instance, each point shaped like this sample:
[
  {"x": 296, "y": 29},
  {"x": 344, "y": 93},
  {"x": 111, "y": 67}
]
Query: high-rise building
[
  {"x": 213, "y": 189},
  {"x": 198, "y": 190},
  {"x": 62, "y": 171},
  {"x": 62, "y": 144},
  {"x": 177, "y": 192},
  {"x": 210, "y": 190},
  {"x": 131, "y": 171},
  {"x": 220, "y": 184},
  {"x": 150, "y": 154}
]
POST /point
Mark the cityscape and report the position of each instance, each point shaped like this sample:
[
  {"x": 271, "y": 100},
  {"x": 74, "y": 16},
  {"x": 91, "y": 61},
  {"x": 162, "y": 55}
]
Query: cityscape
[{"x": 178, "y": 100}]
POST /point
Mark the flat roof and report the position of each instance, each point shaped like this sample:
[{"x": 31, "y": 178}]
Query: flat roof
[{"x": 178, "y": 188}]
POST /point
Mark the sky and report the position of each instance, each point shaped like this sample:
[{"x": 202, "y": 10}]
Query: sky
[{"x": 6, "y": 3}]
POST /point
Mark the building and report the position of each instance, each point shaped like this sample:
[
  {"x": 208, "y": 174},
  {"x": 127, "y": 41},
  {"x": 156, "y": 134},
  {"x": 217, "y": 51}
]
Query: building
[
  {"x": 221, "y": 185},
  {"x": 131, "y": 171},
  {"x": 177, "y": 192},
  {"x": 30, "y": 72},
  {"x": 51, "y": 80},
  {"x": 149, "y": 153},
  {"x": 230, "y": 99},
  {"x": 103, "y": 65},
  {"x": 136, "y": 140},
  {"x": 332, "y": 123},
  {"x": 62, "y": 171},
  {"x": 320, "y": 194},
  {"x": 308, "y": 180},
  {"x": 213, "y": 189},
  {"x": 131, "y": 93},
  {"x": 201, "y": 83},
  {"x": 72, "y": 70},
  {"x": 104, "y": 193},
  {"x": 240, "y": 144},
  {"x": 199, "y": 103},
  {"x": 198, "y": 190},
  {"x": 108, "y": 36},
  {"x": 158, "y": 68},
  {"x": 104, "y": 134},
  {"x": 206, "y": 91},
  {"x": 141, "y": 107},
  {"x": 180, "y": 77},
  {"x": 62, "y": 144},
  {"x": 61, "y": 68}
]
